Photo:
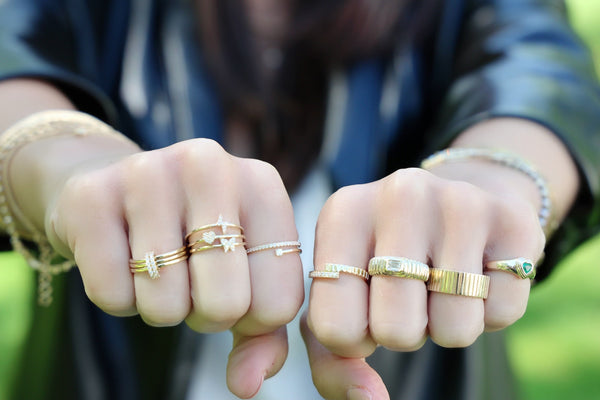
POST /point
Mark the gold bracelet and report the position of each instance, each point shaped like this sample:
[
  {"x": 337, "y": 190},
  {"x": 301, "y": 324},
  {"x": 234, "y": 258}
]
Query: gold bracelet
[
  {"x": 40, "y": 125},
  {"x": 509, "y": 160}
]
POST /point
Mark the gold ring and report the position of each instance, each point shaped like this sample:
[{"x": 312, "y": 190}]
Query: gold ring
[
  {"x": 332, "y": 271},
  {"x": 521, "y": 267},
  {"x": 152, "y": 263},
  {"x": 458, "y": 283},
  {"x": 226, "y": 242},
  {"x": 280, "y": 248},
  {"x": 399, "y": 267},
  {"x": 223, "y": 225}
]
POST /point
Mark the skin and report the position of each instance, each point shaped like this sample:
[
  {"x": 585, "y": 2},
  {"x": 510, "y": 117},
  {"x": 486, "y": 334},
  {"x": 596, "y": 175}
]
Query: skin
[{"x": 458, "y": 215}]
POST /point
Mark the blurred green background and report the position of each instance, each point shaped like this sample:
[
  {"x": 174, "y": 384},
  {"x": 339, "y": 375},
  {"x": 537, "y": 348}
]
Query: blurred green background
[{"x": 554, "y": 348}]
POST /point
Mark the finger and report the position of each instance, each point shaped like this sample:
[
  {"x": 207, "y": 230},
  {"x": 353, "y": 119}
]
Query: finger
[
  {"x": 456, "y": 321},
  {"x": 337, "y": 377},
  {"x": 398, "y": 306},
  {"x": 338, "y": 308},
  {"x": 220, "y": 281},
  {"x": 153, "y": 212},
  {"x": 254, "y": 359},
  {"x": 98, "y": 240},
  {"x": 276, "y": 281},
  {"x": 517, "y": 233}
]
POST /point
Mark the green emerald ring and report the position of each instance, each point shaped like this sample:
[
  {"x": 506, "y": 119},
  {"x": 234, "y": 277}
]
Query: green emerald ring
[{"x": 521, "y": 267}]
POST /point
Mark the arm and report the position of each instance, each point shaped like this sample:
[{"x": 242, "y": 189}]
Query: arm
[{"x": 517, "y": 91}]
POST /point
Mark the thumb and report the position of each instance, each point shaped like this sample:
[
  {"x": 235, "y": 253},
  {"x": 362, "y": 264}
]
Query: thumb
[
  {"x": 254, "y": 359},
  {"x": 338, "y": 377}
]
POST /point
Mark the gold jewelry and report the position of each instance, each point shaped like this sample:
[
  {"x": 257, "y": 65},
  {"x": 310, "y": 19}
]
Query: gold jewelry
[
  {"x": 521, "y": 267},
  {"x": 152, "y": 263},
  {"x": 509, "y": 160},
  {"x": 399, "y": 267},
  {"x": 38, "y": 126},
  {"x": 226, "y": 244},
  {"x": 332, "y": 271},
  {"x": 279, "y": 247},
  {"x": 219, "y": 224},
  {"x": 458, "y": 283}
]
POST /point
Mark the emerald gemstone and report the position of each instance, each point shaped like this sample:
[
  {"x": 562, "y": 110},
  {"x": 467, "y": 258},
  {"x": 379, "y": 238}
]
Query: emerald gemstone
[{"x": 527, "y": 267}]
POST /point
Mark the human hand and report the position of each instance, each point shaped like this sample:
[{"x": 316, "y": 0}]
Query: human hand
[
  {"x": 107, "y": 213},
  {"x": 440, "y": 220}
]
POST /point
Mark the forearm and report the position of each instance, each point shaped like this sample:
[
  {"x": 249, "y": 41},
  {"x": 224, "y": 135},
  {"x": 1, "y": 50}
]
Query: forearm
[
  {"x": 37, "y": 169},
  {"x": 530, "y": 141}
]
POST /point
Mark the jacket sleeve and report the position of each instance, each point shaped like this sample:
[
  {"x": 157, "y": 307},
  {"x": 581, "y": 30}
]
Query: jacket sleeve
[
  {"x": 68, "y": 43},
  {"x": 520, "y": 58}
]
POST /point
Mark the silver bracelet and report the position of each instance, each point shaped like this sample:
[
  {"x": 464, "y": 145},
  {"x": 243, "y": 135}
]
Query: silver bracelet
[
  {"x": 38, "y": 126},
  {"x": 503, "y": 158}
]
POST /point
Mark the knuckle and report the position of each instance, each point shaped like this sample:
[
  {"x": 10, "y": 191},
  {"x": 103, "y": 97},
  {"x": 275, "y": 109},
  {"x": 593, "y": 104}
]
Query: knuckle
[
  {"x": 341, "y": 202},
  {"x": 167, "y": 312},
  {"x": 399, "y": 336},
  {"x": 458, "y": 335},
  {"x": 199, "y": 154},
  {"x": 406, "y": 190},
  {"x": 463, "y": 203},
  {"x": 264, "y": 180},
  {"x": 521, "y": 223},
  {"x": 221, "y": 310},
  {"x": 503, "y": 317},
  {"x": 278, "y": 313},
  {"x": 329, "y": 334},
  {"x": 110, "y": 299}
]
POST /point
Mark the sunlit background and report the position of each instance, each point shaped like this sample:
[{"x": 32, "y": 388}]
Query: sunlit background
[{"x": 554, "y": 348}]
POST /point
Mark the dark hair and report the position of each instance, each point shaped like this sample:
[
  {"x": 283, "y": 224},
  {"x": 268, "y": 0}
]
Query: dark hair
[{"x": 286, "y": 113}]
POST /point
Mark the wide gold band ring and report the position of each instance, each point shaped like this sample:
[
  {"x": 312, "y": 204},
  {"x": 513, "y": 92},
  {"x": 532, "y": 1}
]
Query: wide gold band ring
[
  {"x": 520, "y": 267},
  {"x": 399, "y": 267},
  {"x": 458, "y": 283},
  {"x": 280, "y": 248},
  {"x": 152, "y": 263},
  {"x": 332, "y": 271}
]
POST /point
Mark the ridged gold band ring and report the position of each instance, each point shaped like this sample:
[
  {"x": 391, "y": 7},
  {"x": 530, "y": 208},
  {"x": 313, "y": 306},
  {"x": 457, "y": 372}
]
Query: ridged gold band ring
[
  {"x": 520, "y": 267},
  {"x": 152, "y": 263},
  {"x": 332, "y": 271},
  {"x": 280, "y": 248},
  {"x": 399, "y": 267},
  {"x": 458, "y": 283}
]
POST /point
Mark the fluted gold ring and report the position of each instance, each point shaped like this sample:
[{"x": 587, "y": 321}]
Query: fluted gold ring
[
  {"x": 458, "y": 283},
  {"x": 332, "y": 271},
  {"x": 399, "y": 267}
]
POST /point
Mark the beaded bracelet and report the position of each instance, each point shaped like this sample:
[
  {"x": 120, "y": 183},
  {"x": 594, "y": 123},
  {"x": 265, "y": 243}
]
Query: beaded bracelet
[
  {"x": 40, "y": 125},
  {"x": 503, "y": 158}
]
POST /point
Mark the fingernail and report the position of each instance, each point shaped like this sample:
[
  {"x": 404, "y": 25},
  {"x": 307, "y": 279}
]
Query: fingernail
[{"x": 358, "y": 394}]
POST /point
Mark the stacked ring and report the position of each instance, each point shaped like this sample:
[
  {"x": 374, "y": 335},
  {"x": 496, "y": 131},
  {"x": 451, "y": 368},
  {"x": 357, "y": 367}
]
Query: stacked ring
[
  {"x": 521, "y": 267},
  {"x": 152, "y": 263},
  {"x": 280, "y": 248},
  {"x": 332, "y": 271},
  {"x": 226, "y": 241},
  {"x": 399, "y": 267},
  {"x": 458, "y": 283}
]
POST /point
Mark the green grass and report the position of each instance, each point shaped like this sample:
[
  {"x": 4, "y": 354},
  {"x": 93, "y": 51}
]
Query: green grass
[
  {"x": 555, "y": 347},
  {"x": 16, "y": 291}
]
